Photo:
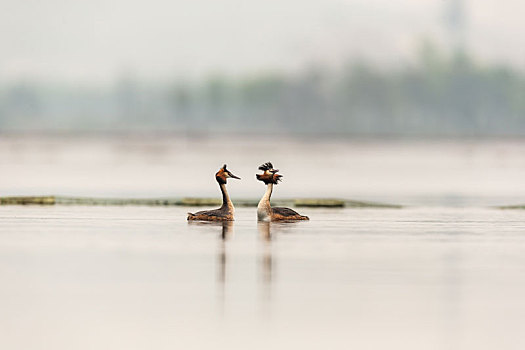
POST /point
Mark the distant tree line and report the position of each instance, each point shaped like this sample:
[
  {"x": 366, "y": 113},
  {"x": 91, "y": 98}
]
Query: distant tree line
[{"x": 437, "y": 95}]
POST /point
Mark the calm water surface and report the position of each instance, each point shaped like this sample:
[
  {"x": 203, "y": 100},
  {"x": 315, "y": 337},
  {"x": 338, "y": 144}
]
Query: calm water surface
[
  {"x": 144, "y": 278},
  {"x": 446, "y": 272},
  {"x": 410, "y": 172}
]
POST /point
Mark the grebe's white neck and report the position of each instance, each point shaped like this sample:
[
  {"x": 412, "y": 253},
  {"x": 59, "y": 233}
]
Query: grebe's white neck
[
  {"x": 264, "y": 209},
  {"x": 226, "y": 202}
]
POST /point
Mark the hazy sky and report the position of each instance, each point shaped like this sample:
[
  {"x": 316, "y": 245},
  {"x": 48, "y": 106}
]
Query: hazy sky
[{"x": 97, "y": 40}]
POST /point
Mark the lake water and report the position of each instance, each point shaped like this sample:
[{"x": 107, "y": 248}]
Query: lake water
[
  {"x": 445, "y": 272},
  {"x": 410, "y": 172}
]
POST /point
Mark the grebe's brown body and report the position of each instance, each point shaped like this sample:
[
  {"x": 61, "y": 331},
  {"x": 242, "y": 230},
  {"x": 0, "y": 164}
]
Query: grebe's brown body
[
  {"x": 265, "y": 212},
  {"x": 226, "y": 211}
]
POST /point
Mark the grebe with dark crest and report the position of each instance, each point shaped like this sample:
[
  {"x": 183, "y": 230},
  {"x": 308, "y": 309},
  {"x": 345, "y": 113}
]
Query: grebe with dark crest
[
  {"x": 264, "y": 210},
  {"x": 225, "y": 212}
]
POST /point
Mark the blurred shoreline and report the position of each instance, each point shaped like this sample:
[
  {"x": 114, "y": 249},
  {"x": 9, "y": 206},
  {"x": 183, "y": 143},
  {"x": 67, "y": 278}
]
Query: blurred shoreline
[
  {"x": 441, "y": 95},
  {"x": 273, "y": 135}
]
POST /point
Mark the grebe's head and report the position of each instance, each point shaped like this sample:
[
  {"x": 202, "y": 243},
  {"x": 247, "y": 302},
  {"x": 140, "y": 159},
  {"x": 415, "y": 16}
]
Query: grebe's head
[
  {"x": 269, "y": 175},
  {"x": 223, "y": 174}
]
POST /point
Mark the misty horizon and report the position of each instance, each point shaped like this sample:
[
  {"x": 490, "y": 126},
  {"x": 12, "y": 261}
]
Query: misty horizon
[
  {"x": 97, "y": 42},
  {"x": 440, "y": 95}
]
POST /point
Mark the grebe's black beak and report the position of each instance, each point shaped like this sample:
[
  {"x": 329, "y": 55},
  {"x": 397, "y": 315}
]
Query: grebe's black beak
[{"x": 233, "y": 176}]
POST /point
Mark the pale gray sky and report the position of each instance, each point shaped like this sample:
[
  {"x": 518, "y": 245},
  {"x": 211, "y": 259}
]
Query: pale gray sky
[{"x": 96, "y": 40}]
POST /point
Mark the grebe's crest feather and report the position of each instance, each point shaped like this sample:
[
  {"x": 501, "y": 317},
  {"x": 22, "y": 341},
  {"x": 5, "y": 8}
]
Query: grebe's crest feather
[
  {"x": 270, "y": 174},
  {"x": 266, "y": 166},
  {"x": 223, "y": 174}
]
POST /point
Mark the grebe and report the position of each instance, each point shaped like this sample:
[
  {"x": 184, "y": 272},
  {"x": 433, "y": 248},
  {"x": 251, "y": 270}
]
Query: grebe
[
  {"x": 225, "y": 212},
  {"x": 264, "y": 210}
]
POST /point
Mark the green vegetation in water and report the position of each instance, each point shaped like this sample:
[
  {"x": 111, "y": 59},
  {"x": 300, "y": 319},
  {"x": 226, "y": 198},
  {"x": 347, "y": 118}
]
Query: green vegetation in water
[
  {"x": 194, "y": 202},
  {"x": 521, "y": 206},
  {"x": 39, "y": 200}
]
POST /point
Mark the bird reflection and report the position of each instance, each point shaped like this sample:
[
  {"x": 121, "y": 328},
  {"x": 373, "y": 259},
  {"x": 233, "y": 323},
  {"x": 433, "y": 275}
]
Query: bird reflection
[
  {"x": 225, "y": 230},
  {"x": 266, "y": 260},
  {"x": 226, "y": 234}
]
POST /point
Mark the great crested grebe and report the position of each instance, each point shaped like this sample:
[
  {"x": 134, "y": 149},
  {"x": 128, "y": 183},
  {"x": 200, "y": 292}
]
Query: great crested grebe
[
  {"x": 225, "y": 212},
  {"x": 264, "y": 210}
]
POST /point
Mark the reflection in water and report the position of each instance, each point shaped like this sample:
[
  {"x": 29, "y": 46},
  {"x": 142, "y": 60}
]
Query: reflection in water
[
  {"x": 227, "y": 230},
  {"x": 267, "y": 232},
  {"x": 226, "y": 234},
  {"x": 453, "y": 280},
  {"x": 266, "y": 259}
]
